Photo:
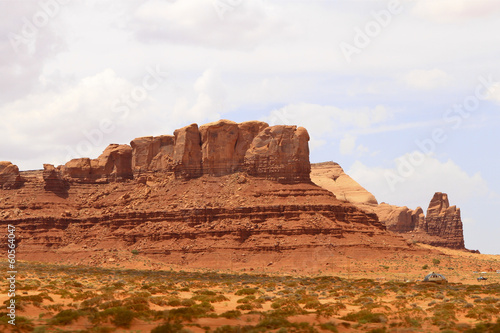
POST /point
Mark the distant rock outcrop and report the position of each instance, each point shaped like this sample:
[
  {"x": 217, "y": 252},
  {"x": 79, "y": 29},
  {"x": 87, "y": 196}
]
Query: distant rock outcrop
[
  {"x": 332, "y": 177},
  {"x": 9, "y": 176},
  {"x": 441, "y": 227},
  {"x": 444, "y": 221}
]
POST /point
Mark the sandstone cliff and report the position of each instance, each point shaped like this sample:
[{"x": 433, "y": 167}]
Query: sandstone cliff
[
  {"x": 240, "y": 190},
  {"x": 441, "y": 227},
  {"x": 219, "y": 148},
  {"x": 9, "y": 176}
]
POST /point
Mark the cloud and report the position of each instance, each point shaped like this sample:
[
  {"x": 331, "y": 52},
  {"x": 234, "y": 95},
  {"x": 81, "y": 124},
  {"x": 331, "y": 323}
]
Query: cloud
[
  {"x": 242, "y": 26},
  {"x": 328, "y": 119},
  {"x": 451, "y": 11},
  {"x": 411, "y": 181},
  {"x": 427, "y": 79},
  {"x": 347, "y": 144}
]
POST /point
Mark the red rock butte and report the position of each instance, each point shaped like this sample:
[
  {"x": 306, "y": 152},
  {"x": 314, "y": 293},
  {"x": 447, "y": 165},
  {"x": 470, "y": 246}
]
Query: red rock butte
[{"x": 222, "y": 190}]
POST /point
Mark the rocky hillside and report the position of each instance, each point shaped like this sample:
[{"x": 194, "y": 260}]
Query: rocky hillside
[
  {"x": 211, "y": 196},
  {"x": 442, "y": 226}
]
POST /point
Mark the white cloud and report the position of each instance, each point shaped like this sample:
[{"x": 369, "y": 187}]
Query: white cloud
[
  {"x": 242, "y": 26},
  {"x": 427, "y": 79},
  {"x": 446, "y": 11},
  {"x": 412, "y": 181},
  {"x": 347, "y": 144},
  {"x": 327, "y": 119}
]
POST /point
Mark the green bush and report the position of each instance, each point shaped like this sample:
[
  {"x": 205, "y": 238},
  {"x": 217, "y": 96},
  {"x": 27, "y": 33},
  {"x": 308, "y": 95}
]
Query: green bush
[
  {"x": 231, "y": 314},
  {"x": 169, "y": 328},
  {"x": 65, "y": 317},
  {"x": 246, "y": 291},
  {"x": 123, "y": 317},
  {"x": 365, "y": 316}
]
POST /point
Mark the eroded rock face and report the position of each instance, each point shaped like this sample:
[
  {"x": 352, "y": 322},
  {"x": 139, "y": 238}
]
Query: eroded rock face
[
  {"x": 280, "y": 152},
  {"x": 441, "y": 227},
  {"x": 400, "y": 219},
  {"x": 53, "y": 179},
  {"x": 114, "y": 164},
  {"x": 216, "y": 149},
  {"x": 444, "y": 221},
  {"x": 187, "y": 152},
  {"x": 9, "y": 176},
  {"x": 152, "y": 153},
  {"x": 332, "y": 177}
]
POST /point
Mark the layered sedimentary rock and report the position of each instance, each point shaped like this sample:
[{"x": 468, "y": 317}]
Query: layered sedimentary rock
[
  {"x": 9, "y": 176},
  {"x": 441, "y": 227},
  {"x": 400, "y": 219},
  {"x": 280, "y": 152},
  {"x": 444, "y": 221},
  {"x": 332, "y": 177},
  {"x": 53, "y": 179},
  {"x": 114, "y": 164},
  {"x": 219, "y": 148}
]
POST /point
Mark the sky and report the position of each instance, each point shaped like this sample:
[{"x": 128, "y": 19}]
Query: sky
[{"x": 404, "y": 95}]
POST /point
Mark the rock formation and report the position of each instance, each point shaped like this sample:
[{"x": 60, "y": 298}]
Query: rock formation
[
  {"x": 221, "y": 189},
  {"x": 444, "y": 221},
  {"x": 114, "y": 164},
  {"x": 9, "y": 176},
  {"x": 217, "y": 149},
  {"x": 332, "y": 177},
  {"x": 441, "y": 227}
]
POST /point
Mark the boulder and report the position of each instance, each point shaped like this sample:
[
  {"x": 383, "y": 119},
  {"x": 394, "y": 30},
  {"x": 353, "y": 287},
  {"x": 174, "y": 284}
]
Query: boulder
[{"x": 9, "y": 176}]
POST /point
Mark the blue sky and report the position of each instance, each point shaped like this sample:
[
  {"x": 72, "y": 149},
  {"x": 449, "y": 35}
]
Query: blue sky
[{"x": 403, "y": 94}]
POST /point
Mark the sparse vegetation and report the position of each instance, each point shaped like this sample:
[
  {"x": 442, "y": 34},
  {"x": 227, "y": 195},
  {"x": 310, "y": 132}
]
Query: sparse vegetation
[{"x": 174, "y": 301}]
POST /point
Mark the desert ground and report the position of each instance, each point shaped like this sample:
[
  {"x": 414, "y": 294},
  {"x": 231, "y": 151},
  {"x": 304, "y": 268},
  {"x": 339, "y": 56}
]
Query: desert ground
[{"x": 350, "y": 294}]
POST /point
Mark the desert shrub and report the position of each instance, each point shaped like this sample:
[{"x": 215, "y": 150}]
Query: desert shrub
[
  {"x": 236, "y": 329},
  {"x": 485, "y": 328},
  {"x": 188, "y": 313},
  {"x": 483, "y": 312},
  {"x": 169, "y": 328},
  {"x": 246, "y": 291},
  {"x": 329, "y": 326},
  {"x": 287, "y": 306},
  {"x": 64, "y": 317},
  {"x": 245, "y": 307},
  {"x": 436, "y": 262},
  {"x": 187, "y": 302},
  {"x": 80, "y": 296},
  {"x": 329, "y": 309},
  {"x": 231, "y": 314},
  {"x": 365, "y": 316},
  {"x": 313, "y": 304},
  {"x": 246, "y": 299},
  {"x": 111, "y": 304},
  {"x": 210, "y": 298},
  {"x": 444, "y": 315},
  {"x": 135, "y": 252},
  {"x": 122, "y": 317}
]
